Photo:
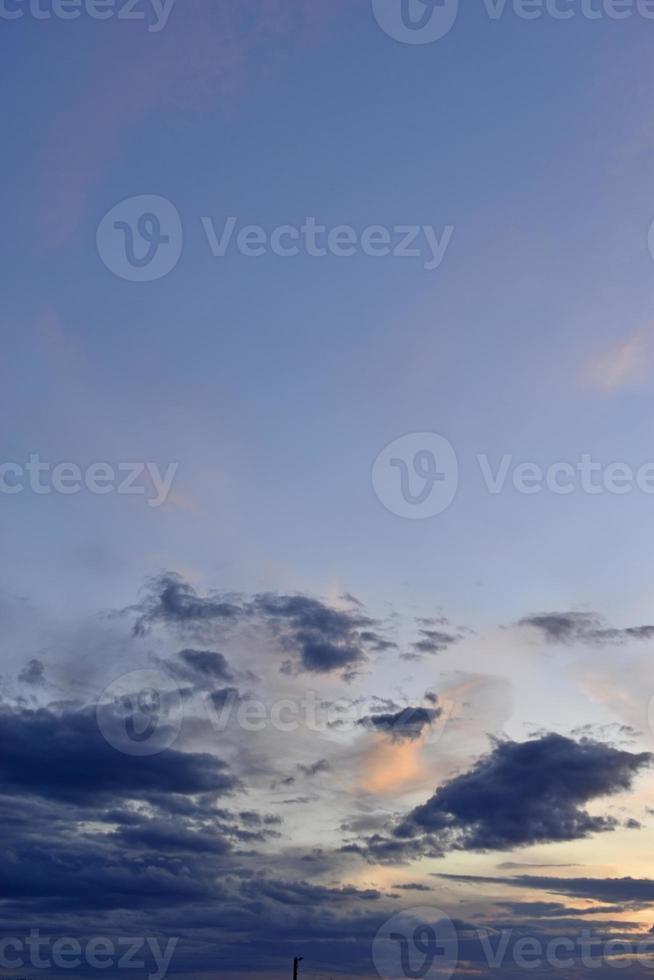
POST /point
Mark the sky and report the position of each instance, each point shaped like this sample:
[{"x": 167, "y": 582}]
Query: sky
[{"x": 325, "y": 488}]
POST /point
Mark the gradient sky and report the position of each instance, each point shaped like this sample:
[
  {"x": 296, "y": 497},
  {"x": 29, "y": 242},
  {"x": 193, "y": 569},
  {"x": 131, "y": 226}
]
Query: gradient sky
[{"x": 273, "y": 384}]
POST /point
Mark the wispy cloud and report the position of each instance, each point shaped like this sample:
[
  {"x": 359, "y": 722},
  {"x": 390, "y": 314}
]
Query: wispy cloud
[
  {"x": 624, "y": 365},
  {"x": 202, "y": 59}
]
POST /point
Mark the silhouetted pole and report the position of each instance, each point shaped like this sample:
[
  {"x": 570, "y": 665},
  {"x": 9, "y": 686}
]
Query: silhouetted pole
[{"x": 296, "y": 965}]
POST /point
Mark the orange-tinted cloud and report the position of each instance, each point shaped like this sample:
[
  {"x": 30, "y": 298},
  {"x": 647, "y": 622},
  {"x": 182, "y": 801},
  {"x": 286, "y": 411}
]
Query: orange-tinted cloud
[{"x": 623, "y": 365}]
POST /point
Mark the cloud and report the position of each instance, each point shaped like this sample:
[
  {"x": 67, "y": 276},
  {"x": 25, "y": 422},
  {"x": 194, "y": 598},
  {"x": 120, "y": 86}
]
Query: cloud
[
  {"x": 325, "y": 638},
  {"x": 172, "y": 601},
  {"x": 556, "y": 910},
  {"x": 87, "y": 833},
  {"x": 406, "y": 724},
  {"x": 206, "y": 665},
  {"x": 32, "y": 673},
  {"x": 568, "y": 628},
  {"x": 624, "y": 890},
  {"x": 322, "y": 765},
  {"x": 521, "y": 793},
  {"x": 434, "y": 641},
  {"x": 624, "y": 365},
  {"x": 511, "y": 865},
  {"x": 224, "y": 697},
  {"x": 63, "y": 756},
  {"x": 320, "y": 638}
]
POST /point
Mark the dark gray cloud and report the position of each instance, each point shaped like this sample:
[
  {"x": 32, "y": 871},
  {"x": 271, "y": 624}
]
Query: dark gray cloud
[
  {"x": 208, "y": 665},
  {"x": 33, "y": 673},
  {"x": 556, "y": 910},
  {"x": 319, "y": 638},
  {"x": 172, "y": 601},
  {"x": 568, "y": 628},
  {"x": 324, "y": 639},
  {"x": 408, "y": 723},
  {"x": 315, "y": 768},
  {"x": 413, "y": 886},
  {"x": 224, "y": 697},
  {"x": 63, "y": 756},
  {"x": 525, "y": 793},
  {"x": 615, "y": 890},
  {"x": 95, "y": 842},
  {"x": 512, "y": 865},
  {"x": 521, "y": 793},
  {"x": 302, "y": 892},
  {"x": 434, "y": 641},
  {"x": 87, "y": 833}
]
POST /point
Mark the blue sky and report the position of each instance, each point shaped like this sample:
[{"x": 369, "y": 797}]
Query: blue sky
[
  {"x": 531, "y": 138},
  {"x": 273, "y": 383}
]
